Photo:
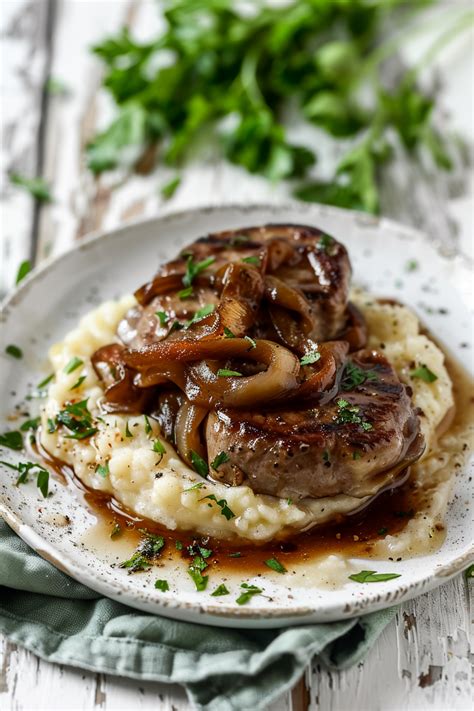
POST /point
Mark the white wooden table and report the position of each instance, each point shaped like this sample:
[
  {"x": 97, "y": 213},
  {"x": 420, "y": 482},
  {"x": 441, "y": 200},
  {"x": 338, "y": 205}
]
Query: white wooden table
[{"x": 422, "y": 660}]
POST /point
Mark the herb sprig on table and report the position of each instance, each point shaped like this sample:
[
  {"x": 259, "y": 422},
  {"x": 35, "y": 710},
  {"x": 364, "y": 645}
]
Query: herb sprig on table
[{"x": 235, "y": 75}]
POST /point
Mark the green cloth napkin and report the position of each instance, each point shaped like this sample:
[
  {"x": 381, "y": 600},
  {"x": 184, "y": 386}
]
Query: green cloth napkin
[{"x": 61, "y": 620}]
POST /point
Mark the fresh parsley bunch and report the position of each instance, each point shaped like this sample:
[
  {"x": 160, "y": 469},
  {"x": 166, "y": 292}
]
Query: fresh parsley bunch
[{"x": 220, "y": 70}]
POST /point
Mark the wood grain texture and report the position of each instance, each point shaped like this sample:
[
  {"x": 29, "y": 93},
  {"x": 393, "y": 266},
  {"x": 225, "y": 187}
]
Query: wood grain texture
[{"x": 423, "y": 659}]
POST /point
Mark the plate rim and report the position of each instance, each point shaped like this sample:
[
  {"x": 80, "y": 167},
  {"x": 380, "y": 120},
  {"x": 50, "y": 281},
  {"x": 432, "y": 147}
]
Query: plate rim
[{"x": 224, "y": 615}]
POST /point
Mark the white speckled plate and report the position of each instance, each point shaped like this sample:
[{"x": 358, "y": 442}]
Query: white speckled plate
[{"x": 48, "y": 303}]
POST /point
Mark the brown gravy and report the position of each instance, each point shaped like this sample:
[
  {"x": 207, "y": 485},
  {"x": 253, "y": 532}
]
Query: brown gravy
[{"x": 352, "y": 535}]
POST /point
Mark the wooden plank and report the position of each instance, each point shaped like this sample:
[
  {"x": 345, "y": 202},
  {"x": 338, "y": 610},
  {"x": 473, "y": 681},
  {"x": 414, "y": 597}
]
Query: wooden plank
[
  {"x": 421, "y": 659},
  {"x": 24, "y": 29}
]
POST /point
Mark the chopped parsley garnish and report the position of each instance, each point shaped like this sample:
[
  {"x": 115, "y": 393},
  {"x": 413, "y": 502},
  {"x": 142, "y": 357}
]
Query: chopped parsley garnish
[
  {"x": 253, "y": 344},
  {"x": 24, "y": 468},
  {"x": 170, "y": 188},
  {"x": 73, "y": 364},
  {"x": 310, "y": 357},
  {"x": 149, "y": 549},
  {"x": 176, "y": 326},
  {"x": 185, "y": 293},
  {"x": 199, "y": 464},
  {"x": 162, "y": 585},
  {"x": 42, "y": 481},
  {"x": 197, "y": 485},
  {"x": 194, "y": 268},
  {"x": 289, "y": 502},
  {"x": 163, "y": 317},
  {"x": 220, "y": 590},
  {"x": 354, "y": 376},
  {"x": 103, "y": 469},
  {"x": 356, "y": 455},
  {"x": 349, "y": 414},
  {"x": 248, "y": 593},
  {"x": 221, "y": 458},
  {"x": 159, "y": 448},
  {"x": 136, "y": 564},
  {"x": 127, "y": 431},
  {"x": 30, "y": 424},
  {"x": 325, "y": 241},
  {"x": 275, "y": 564},
  {"x": 200, "y": 314},
  {"x": 412, "y": 265},
  {"x": 78, "y": 382},
  {"x": 424, "y": 373},
  {"x": 148, "y": 428},
  {"x": 326, "y": 457},
  {"x": 224, "y": 373},
  {"x": 370, "y": 576},
  {"x": 252, "y": 260},
  {"x": 14, "y": 351},
  {"x": 37, "y": 187},
  {"x": 222, "y": 503},
  {"x": 51, "y": 426},
  {"x": 195, "y": 570},
  {"x": 77, "y": 419},
  {"x": 45, "y": 382},
  {"x": 178, "y": 545},
  {"x": 228, "y": 333},
  {"x": 23, "y": 270},
  {"x": 116, "y": 530},
  {"x": 237, "y": 554},
  {"x": 12, "y": 440}
]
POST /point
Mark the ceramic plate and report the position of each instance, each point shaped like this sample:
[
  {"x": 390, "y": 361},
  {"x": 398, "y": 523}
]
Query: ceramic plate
[{"x": 49, "y": 302}]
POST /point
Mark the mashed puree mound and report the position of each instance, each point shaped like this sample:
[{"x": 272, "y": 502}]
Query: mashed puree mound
[{"x": 122, "y": 459}]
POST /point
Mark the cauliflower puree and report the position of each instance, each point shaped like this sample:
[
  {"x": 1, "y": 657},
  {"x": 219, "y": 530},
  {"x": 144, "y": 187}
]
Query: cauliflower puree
[{"x": 122, "y": 459}]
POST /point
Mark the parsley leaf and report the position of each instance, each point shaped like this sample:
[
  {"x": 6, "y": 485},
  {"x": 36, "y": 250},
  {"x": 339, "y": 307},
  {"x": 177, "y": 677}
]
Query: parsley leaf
[
  {"x": 73, "y": 364},
  {"x": 23, "y": 270},
  {"x": 14, "y": 351},
  {"x": 162, "y": 585},
  {"x": 12, "y": 440},
  {"x": 199, "y": 464},
  {"x": 200, "y": 314},
  {"x": 194, "y": 268},
  {"x": 222, "y": 503},
  {"x": 370, "y": 576},
  {"x": 423, "y": 373},
  {"x": 225, "y": 373},
  {"x": 220, "y": 590},
  {"x": 249, "y": 591},
  {"x": 195, "y": 570},
  {"x": 163, "y": 317},
  {"x": 170, "y": 188},
  {"x": 228, "y": 333},
  {"x": 219, "y": 459},
  {"x": 77, "y": 419},
  {"x": 37, "y": 187},
  {"x": 32, "y": 424},
  {"x": 103, "y": 469},
  {"x": 349, "y": 414},
  {"x": 275, "y": 564},
  {"x": 252, "y": 260},
  {"x": 354, "y": 376},
  {"x": 310, "y": 357}
]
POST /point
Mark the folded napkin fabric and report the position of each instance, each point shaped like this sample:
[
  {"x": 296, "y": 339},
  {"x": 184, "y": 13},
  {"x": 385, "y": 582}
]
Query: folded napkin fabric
[{"x": 221, "y": 669}]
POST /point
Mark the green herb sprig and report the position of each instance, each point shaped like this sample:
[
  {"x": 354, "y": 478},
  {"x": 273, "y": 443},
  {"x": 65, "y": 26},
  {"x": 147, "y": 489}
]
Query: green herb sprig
[{"x": 323, "y": 59}]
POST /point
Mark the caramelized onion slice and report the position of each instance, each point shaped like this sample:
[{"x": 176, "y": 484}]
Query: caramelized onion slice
[
  {"x": 121, "y": 394},
  {"x": 158, "y": 285},
  {"x": 186, "y": 430},
  {"x": 324, "y": 376},
  {"x": 206, "y": 387}
]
